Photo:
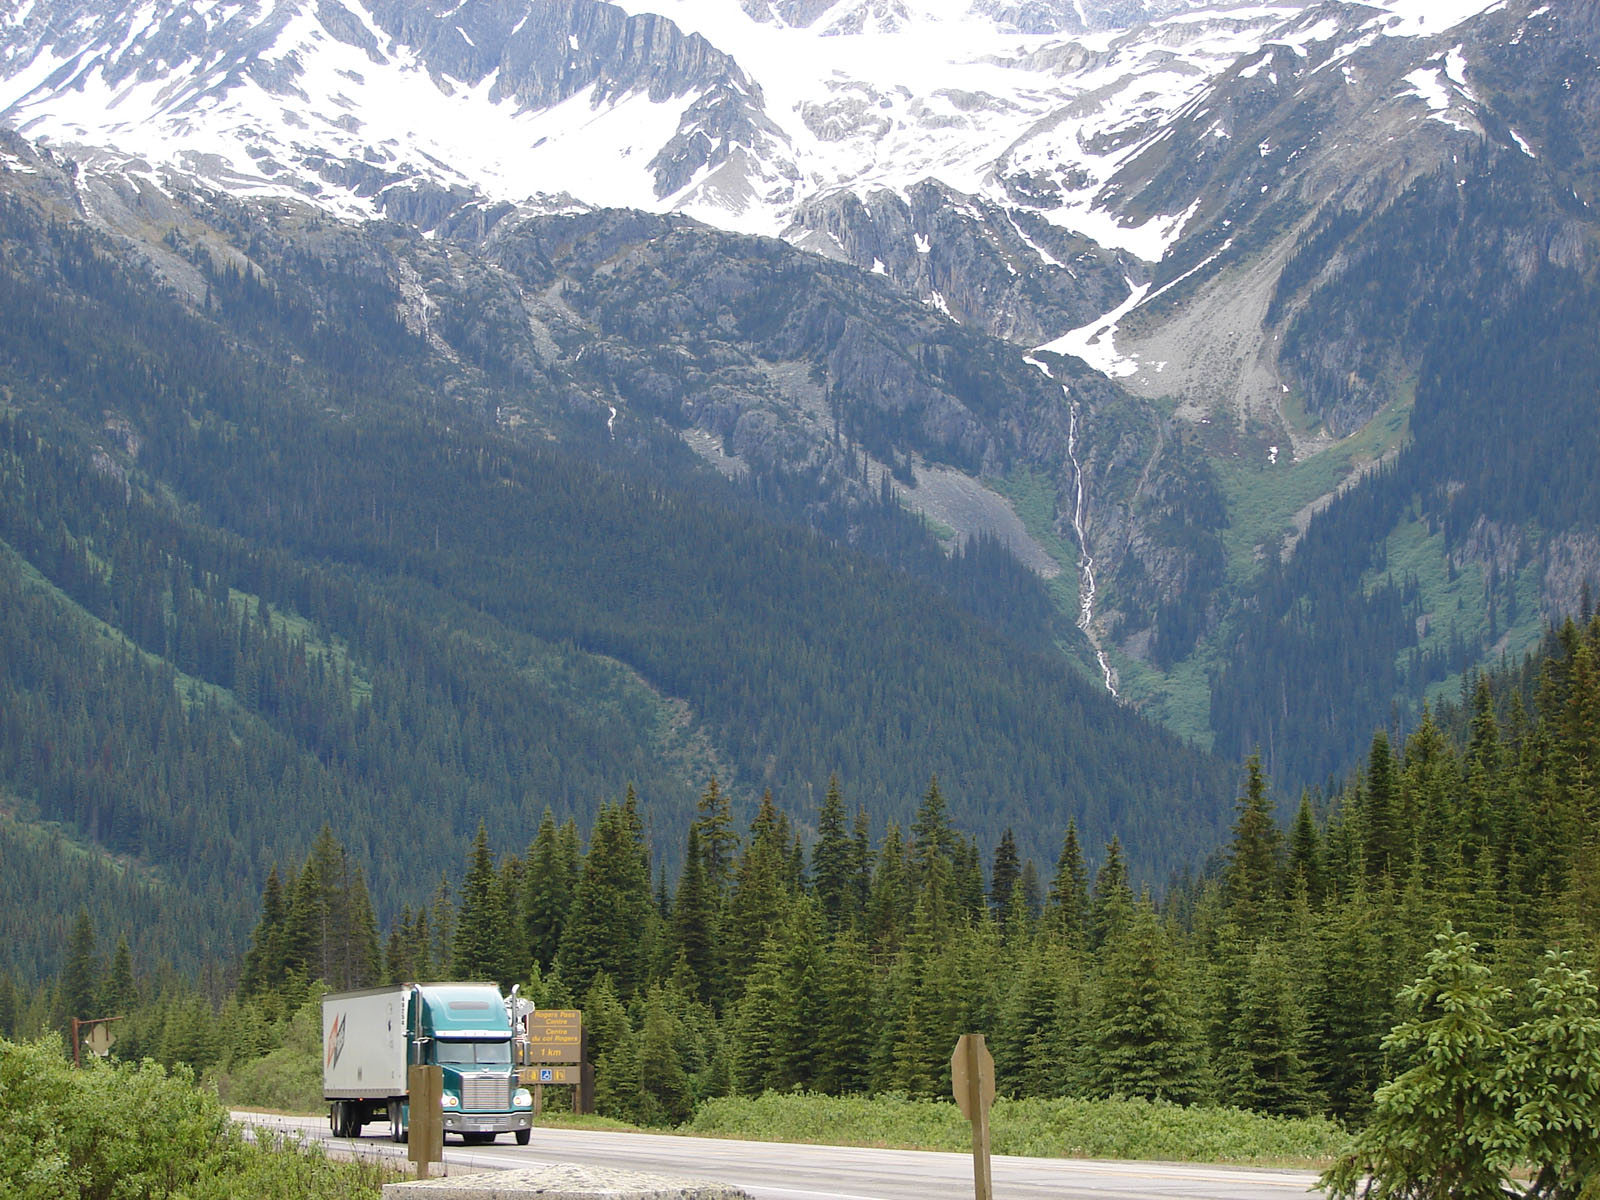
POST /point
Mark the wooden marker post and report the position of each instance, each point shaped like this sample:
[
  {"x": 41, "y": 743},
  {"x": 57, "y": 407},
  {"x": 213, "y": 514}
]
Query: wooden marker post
[
  {"x": 972, "y": 1074},
  {"x": 425, "y": 1132}
]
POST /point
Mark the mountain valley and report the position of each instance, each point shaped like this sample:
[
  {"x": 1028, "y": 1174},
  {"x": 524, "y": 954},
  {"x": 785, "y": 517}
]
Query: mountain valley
[{"x": 745, "y": 389}]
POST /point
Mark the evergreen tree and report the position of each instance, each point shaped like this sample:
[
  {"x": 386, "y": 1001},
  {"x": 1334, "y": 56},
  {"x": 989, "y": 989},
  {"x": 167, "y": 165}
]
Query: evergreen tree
[
  {"x": 80, "y": 973},
  {"x": 1066, "y": 914},
  {"x": 1025, "y": 1054},
  {"x": 1383, "y": 850},
  {"x": 888, "y": 904},
  {"x": 845, "y": 1032},
  {"x": 1113, "y": 897},
  {"x": 861, "y": 862},
  {"x": 1348, "y": 1009},
  {"x": 718, "y": 841},
  {"x": 694, "y": 924},
  {"x": 611, "y": 907},
  {"x": 330, "y": 932},
  {"x": 480, "y": 947},
  {"x": 1439, "y": 1129},
  {"x": 605, "y": 1020},
  {"x": 932, "y": 842},
  {"x": 1305, "y": 867},
  {"x": 756, "y": 1034},
  {"x": 265, "y": 962},
  {"x": 120, "y": 992},
  {"x": 547, "y": 886},
  {"x": 761, "y": 892},
  {"x": 441, "y": 931},
  {"x": 665, "y": 1097},
  {"x": 8, "y": 1008},
  {"x": 1254, "y": 876},
  {"x": 831, "y": 867},
  {"x": 1268, "y": 1040},
  {"x": 1554, "y": 1069},
  {"x": 796, "y": 1049},
  {"x": 1146, "y": 1042},
  {"x": 1006, "y": 873}
]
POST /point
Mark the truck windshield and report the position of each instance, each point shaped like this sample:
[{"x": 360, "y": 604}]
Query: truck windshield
[{"x": 459, "y": 1054}]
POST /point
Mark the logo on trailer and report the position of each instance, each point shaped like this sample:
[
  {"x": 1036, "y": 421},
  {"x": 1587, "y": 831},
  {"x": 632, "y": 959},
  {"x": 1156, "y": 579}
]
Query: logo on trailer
[{"x": 335, "y": 1041}]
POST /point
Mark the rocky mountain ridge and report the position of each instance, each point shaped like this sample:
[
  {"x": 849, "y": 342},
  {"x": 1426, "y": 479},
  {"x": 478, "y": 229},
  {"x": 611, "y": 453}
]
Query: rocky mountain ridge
[{"x": 1200, "y": 201}]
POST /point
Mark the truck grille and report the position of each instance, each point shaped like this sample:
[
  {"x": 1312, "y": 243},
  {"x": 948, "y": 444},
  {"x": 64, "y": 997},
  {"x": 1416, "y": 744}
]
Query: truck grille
[{"x": 485, "y": 1093}]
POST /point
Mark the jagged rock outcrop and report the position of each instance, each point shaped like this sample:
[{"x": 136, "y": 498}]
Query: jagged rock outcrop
[{"x": 1009, "y": 273}]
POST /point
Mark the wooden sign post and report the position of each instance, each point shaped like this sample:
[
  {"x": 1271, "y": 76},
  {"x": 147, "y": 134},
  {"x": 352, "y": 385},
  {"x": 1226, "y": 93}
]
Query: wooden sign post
[
  {"x": 425, "y": 1133},
  {"x": 554, "y": 1049},
  {"x": 972, "y": 1074}
]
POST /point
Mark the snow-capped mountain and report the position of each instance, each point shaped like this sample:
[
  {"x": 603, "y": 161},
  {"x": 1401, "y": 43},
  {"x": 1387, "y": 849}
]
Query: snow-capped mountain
[
  {"x": 1267, "y": 222},
  {"x": 739, "y": 114},
  {"x": 1030, "y": 169}
]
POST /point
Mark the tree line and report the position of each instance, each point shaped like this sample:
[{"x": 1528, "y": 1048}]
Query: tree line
[{"x": 1269, "y": 981}]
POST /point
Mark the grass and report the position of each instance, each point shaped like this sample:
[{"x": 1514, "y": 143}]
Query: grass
[
  {"x": 1455, "y": 600},
  {"x": 1263, "y": 497},
  {"x": 1062, "y": 1128},
  {"x": 289, "y": 1081}
]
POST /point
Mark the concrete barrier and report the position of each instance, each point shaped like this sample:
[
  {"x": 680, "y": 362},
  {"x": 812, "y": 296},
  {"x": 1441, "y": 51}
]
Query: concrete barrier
[{"x": 562, "y": 1182}]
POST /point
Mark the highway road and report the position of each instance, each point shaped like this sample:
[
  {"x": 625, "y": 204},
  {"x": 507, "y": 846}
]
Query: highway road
[{"x": 782, "y": 1171}]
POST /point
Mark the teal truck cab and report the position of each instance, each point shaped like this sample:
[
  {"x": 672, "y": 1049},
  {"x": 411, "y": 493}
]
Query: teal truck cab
[{"x": 370, "y": 1038}]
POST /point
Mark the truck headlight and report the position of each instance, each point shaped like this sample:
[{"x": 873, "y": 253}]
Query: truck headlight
[
  {"x": 523, "y": 1098},
  {"x": 449, "y": 1101}
]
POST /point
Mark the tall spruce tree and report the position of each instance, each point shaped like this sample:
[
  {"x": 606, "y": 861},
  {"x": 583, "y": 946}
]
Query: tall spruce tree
[
  {"x": 1005, "y": 874},
  {"x": 1267, "y": 1039},
  {"x": 483, "y": 938},
  {"x": 81, "y": 971},
  {"x": 762, "y": 891},
  {"x": 611, "y": 908},
  {"x": 694, "y": 924},
  {"x": 1146, "y": 1040},
  {"x": 1441, "y": 1127},
  {"x": 1113, "y": 897},
  {"x": 831, "y": 866},
  {"x": 1254, "y": 881},
  {"x": 547, "y": 892},
  {"x": 266, "y": 960},
  {"x": 845, "y": 1032},
  {"x": 1066, "y": 913}
]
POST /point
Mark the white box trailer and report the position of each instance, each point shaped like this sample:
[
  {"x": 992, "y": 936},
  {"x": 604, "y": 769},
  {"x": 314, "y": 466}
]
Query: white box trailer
[
  {"x": 371, "y": 1038},
  {"x": 364, "y": 1043}
]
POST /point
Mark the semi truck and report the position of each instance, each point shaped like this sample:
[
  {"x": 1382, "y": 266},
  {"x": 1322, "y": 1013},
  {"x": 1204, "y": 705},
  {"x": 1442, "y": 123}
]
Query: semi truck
[{"x": 370, "y": 1038}]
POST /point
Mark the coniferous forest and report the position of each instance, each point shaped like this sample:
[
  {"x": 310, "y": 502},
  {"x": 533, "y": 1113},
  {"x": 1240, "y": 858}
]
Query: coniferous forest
[
  {"x": 319, "y": 670},
  {"x": 850, "y": 963}
]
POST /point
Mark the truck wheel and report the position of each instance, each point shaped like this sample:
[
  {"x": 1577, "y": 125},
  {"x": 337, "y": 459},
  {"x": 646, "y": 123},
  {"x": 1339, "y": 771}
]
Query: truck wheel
[
  {"x": 523, "y": 1135},
  {"x": 397, "y": 1125}
]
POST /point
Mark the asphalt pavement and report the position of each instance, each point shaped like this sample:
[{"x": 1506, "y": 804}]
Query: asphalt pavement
[{"x": 784, "y": 1171}]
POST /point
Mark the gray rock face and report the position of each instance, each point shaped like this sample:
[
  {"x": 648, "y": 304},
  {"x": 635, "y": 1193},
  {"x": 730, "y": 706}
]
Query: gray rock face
[
  {"x": 1008, "y": 272},
  {"x": 545, "y": 51}
]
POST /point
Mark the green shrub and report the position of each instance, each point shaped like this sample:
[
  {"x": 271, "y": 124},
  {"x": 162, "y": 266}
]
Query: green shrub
[
  {"x": 122, "y": 1131},
  {"x": 286, "y": 1079},
  {"x": 1124, "y": 1129}
]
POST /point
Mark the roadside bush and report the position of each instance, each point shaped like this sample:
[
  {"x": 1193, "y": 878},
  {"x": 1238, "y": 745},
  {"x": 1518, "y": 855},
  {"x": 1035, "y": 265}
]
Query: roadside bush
[
  {"x": 101, "y": 1131},
  {"x": 285, "y": 1079},
  {"x": 1123, "y": 1129},
  {"x": 123, "y": 1131}
]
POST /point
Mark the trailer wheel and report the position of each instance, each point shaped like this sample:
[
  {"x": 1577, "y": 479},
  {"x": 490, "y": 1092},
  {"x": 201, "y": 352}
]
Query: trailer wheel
[{"x": 523, "y": 1135}]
